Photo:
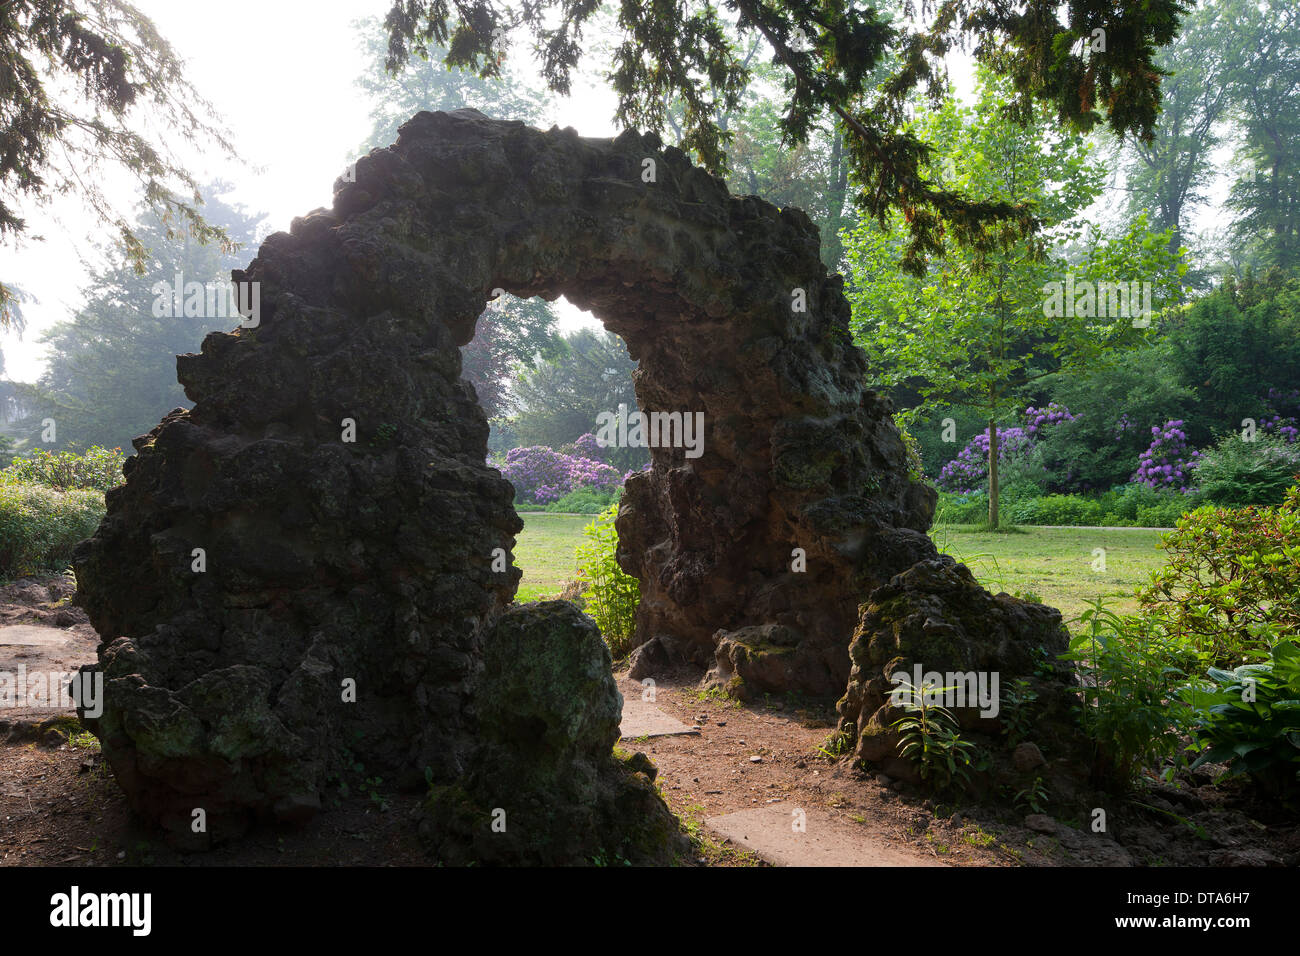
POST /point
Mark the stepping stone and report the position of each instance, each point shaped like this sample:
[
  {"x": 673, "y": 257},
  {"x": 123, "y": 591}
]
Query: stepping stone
[
  {"x": 643, "y": 719},
  {"x": 34, "y": 635},
  {"x": 768, "y": 832}
]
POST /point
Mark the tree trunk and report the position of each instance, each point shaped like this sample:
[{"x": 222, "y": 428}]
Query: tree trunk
[{"x": 993, "y": 473}]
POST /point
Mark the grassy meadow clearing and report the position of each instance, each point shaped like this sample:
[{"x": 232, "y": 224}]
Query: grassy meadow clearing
[{"x": 1058, "y": 566}]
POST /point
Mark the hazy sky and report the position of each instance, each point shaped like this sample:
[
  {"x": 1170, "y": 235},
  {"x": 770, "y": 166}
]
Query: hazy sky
[{"x": 281, "y": 74}]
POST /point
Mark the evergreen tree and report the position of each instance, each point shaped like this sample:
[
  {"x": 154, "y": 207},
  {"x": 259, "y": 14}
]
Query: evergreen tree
[{"x": 111, "y": 374}]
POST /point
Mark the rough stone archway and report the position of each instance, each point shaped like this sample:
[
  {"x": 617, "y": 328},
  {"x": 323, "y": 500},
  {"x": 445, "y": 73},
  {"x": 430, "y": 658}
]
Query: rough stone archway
[{"x": 329, "y": 561}]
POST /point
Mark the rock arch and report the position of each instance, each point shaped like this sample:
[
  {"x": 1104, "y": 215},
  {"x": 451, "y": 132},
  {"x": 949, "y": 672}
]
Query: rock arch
[{"x": 371, "y": 561}]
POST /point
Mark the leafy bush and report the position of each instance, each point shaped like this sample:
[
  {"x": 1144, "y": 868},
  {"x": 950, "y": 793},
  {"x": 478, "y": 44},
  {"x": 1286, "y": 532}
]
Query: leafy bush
[
  {"x": 585, "y": 500},
  {"x": 1231, "y": 574},
  {"x": 612, "y": 596},
  {"x": 1239, "y": 472},
  {"x": 961, "y": 509},
  {"x": 1139, "y": 504},
  {"x": 1058, "y": 509},
  {"x": 543, "y": 475},
  {"x": 96, "y": 467},
  {"x": 39, "y": 526},
  {"x": 1130, "y": 674},
  {"x": 1135, "y": 505},
  {"x": 1250, "y": 719}
]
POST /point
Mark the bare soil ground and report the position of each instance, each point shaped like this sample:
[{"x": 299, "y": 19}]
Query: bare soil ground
[{"x": 59, "y": 804}]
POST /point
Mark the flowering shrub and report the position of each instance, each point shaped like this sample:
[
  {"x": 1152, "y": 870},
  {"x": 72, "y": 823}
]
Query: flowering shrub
[
  {"x": 586, "y": 446},
  {"x": 968, "y": 472},
  {"x": 1167, "y": 462},
  {"x": 1038, "y": 420},
  {"x": 1277, "y": 423},
  {"x": 542, "y": 475}
]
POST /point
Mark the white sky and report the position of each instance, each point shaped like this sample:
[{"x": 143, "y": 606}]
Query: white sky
[{"x": 281, "y": 72}]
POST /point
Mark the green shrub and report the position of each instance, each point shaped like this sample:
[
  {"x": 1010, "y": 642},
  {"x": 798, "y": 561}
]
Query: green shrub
[
  {"x": 1130, "y": 674},
  {"x": 1250, "y": 720},
  {"x": 612, "y": 596},
  {"x": 585, "y": 500},
  {"x": 39, "y": 526},
  {"x": 1230, "y": 572},
  {"x": 961, "y": 509},
  {"x": 1238, "y": 472},
  {"x": 1139, "y": 504},
  {"x": 1150, "y": 508},
  {"x": 1059, "y": 509},
  {"x": 96, "y": 467}
]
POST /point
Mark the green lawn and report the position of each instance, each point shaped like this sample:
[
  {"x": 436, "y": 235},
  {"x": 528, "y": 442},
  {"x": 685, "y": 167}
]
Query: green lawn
[
  {"x": 544, "y": 551},
  {"x": 1054, "y": 564}
]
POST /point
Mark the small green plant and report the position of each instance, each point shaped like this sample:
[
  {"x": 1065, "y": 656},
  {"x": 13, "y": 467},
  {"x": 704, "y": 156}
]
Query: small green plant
[
  {"x": 612, "y": 595},
  {"x": 1032, "y": 798},
  {"x": 370, "y": 787},
  {"x": 837, "y": 745},
  {"x": 385, "y": 432},
  {"x": 1249, "y": 719},
  {"x": 84, "y": 740},
  {"x": 930, "y": 738},
  {"x": 1196, "y": 828},
  {"x": 1016, "y": 713}
]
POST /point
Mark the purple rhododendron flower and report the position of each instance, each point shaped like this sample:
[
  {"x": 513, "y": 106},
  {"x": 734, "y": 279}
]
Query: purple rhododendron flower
[
  {"x": 543, "y": 475},
  {"x": 1167, "y": 462}
]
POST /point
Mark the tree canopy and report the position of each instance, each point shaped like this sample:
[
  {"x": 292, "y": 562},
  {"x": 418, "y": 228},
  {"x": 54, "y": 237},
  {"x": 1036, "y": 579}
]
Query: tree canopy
[{"x": 1092, "y": 60}]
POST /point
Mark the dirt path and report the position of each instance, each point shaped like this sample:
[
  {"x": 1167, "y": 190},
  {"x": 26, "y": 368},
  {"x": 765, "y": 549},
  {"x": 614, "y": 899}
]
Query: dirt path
[{"x": 766, "y": 757}]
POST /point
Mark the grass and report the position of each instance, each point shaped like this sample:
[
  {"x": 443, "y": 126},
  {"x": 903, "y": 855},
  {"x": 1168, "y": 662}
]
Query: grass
[
  {"x": 1054, "y": 565},
  {"x": 544, "y": 551}
]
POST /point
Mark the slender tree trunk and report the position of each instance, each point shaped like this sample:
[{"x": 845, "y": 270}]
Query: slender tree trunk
[
  {"x": 837, "y": 186},
  {"x": 993, "y": 473}
]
